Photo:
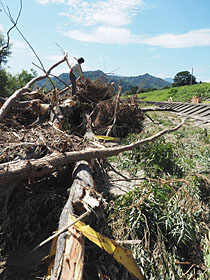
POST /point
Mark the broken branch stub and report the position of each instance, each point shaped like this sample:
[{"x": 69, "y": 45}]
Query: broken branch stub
[{"x": 10, "y": 101}]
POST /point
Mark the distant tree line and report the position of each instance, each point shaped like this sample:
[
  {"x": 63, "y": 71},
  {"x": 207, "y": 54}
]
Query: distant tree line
[
  {"x": 182, "y": 78},
  {"x": 10, "y": 83}
]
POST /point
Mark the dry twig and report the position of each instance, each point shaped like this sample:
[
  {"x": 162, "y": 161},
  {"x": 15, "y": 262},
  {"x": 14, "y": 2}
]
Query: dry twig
[{"x": 61, "y": 230}]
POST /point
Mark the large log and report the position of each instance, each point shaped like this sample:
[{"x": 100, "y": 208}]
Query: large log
[
  {"x": 35, "y": 168},
  {"x": 70, "y": 247}
]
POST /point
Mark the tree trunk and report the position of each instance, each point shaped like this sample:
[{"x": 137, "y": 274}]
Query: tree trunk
[
  {"x": 70, "y": 245},
  {"x": 35, "y": 168}
]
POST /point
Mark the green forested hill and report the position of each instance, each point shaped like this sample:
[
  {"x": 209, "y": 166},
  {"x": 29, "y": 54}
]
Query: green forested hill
[
  {"x": 142, "y": 81},
  {"x": 182, "y": 94}
]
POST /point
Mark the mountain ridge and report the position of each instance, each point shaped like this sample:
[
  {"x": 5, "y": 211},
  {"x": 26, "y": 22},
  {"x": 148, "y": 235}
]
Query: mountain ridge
[{"x": 145, "y": 81}]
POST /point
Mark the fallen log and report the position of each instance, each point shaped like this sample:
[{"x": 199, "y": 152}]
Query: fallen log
[
  {"x": 35, "y": 168},
  {"x": 69, "y": 256}
]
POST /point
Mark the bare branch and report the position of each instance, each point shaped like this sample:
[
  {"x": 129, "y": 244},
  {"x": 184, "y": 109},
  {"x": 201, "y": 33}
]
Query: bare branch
[
  {"x": 62, "y": 50},
  {"x": 14, "y": 25},
  {"x": 65, "y": 228},
  {"x": 10, "y": 101},
  {"x": 39, "y": 167}
]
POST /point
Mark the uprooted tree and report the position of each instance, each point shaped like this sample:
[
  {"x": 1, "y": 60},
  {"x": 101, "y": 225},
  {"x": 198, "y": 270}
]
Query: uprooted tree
[{"x": 46, "y": 137}]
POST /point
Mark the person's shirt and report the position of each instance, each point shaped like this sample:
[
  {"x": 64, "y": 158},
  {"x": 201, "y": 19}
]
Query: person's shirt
[{"x": 76, "y": 68}]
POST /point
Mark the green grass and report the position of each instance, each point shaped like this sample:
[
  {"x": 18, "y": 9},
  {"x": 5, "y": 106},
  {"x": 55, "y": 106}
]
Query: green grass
[
  {"x": 170, "y": 220},
  {"x": 168, "y": 211},
  {"x": 178, "y": 94}
]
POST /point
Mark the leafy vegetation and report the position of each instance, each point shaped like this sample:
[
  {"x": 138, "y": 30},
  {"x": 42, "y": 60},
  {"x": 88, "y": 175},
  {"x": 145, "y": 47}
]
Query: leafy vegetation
[
  {"x": 10, "y": 83},
  {"x": 4, "y": 50},
  {"x": 184, "y": 78},
  {"x": 178, "y": 94},
  {"x": 169, "y": 218},
  {"x": 168, "y": 212}
]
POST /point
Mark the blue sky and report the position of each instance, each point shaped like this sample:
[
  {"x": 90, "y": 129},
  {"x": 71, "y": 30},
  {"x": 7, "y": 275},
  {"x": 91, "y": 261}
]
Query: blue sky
[{"x": 127, "y": 37}]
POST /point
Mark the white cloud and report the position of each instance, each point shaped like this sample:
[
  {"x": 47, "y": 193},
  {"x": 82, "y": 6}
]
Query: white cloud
[
  {"x": 117, "y": 35},
  {"x": 109, "y": 20},
  {"x": 194, "y": 38},
  {"x": 46, "y": 2},
  {"x": 108, "y": 17},
  {"x": 107, "y": 35},
  {"x": 110, "y": 12}
]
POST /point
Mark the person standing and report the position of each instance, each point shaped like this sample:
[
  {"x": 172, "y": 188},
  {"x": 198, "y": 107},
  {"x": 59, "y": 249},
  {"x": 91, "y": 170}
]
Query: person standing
[{"x": 75, "y": 69}]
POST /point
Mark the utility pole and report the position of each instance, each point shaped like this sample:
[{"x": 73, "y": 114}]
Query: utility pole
[{"x": 191, "y": 77}]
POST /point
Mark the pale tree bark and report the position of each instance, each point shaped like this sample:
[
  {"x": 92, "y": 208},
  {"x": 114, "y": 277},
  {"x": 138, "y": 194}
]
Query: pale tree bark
[
  {"x": 11, "y": 100},
  {"x": 35, "y": 168},
  {"x": 69, "y": 256}
]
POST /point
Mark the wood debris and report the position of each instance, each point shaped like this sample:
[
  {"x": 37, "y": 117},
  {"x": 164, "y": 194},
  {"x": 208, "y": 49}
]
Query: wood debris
[{"x": 45, "y": 138}]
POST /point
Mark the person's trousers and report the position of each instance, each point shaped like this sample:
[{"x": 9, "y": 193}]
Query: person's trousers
[{"x": 73, "y": 83}]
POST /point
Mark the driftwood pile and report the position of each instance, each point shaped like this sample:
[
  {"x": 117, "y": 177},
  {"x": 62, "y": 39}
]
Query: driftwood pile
[
  {"x": 41, "y": 133},
  {"x": 51, "y": 167}
]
